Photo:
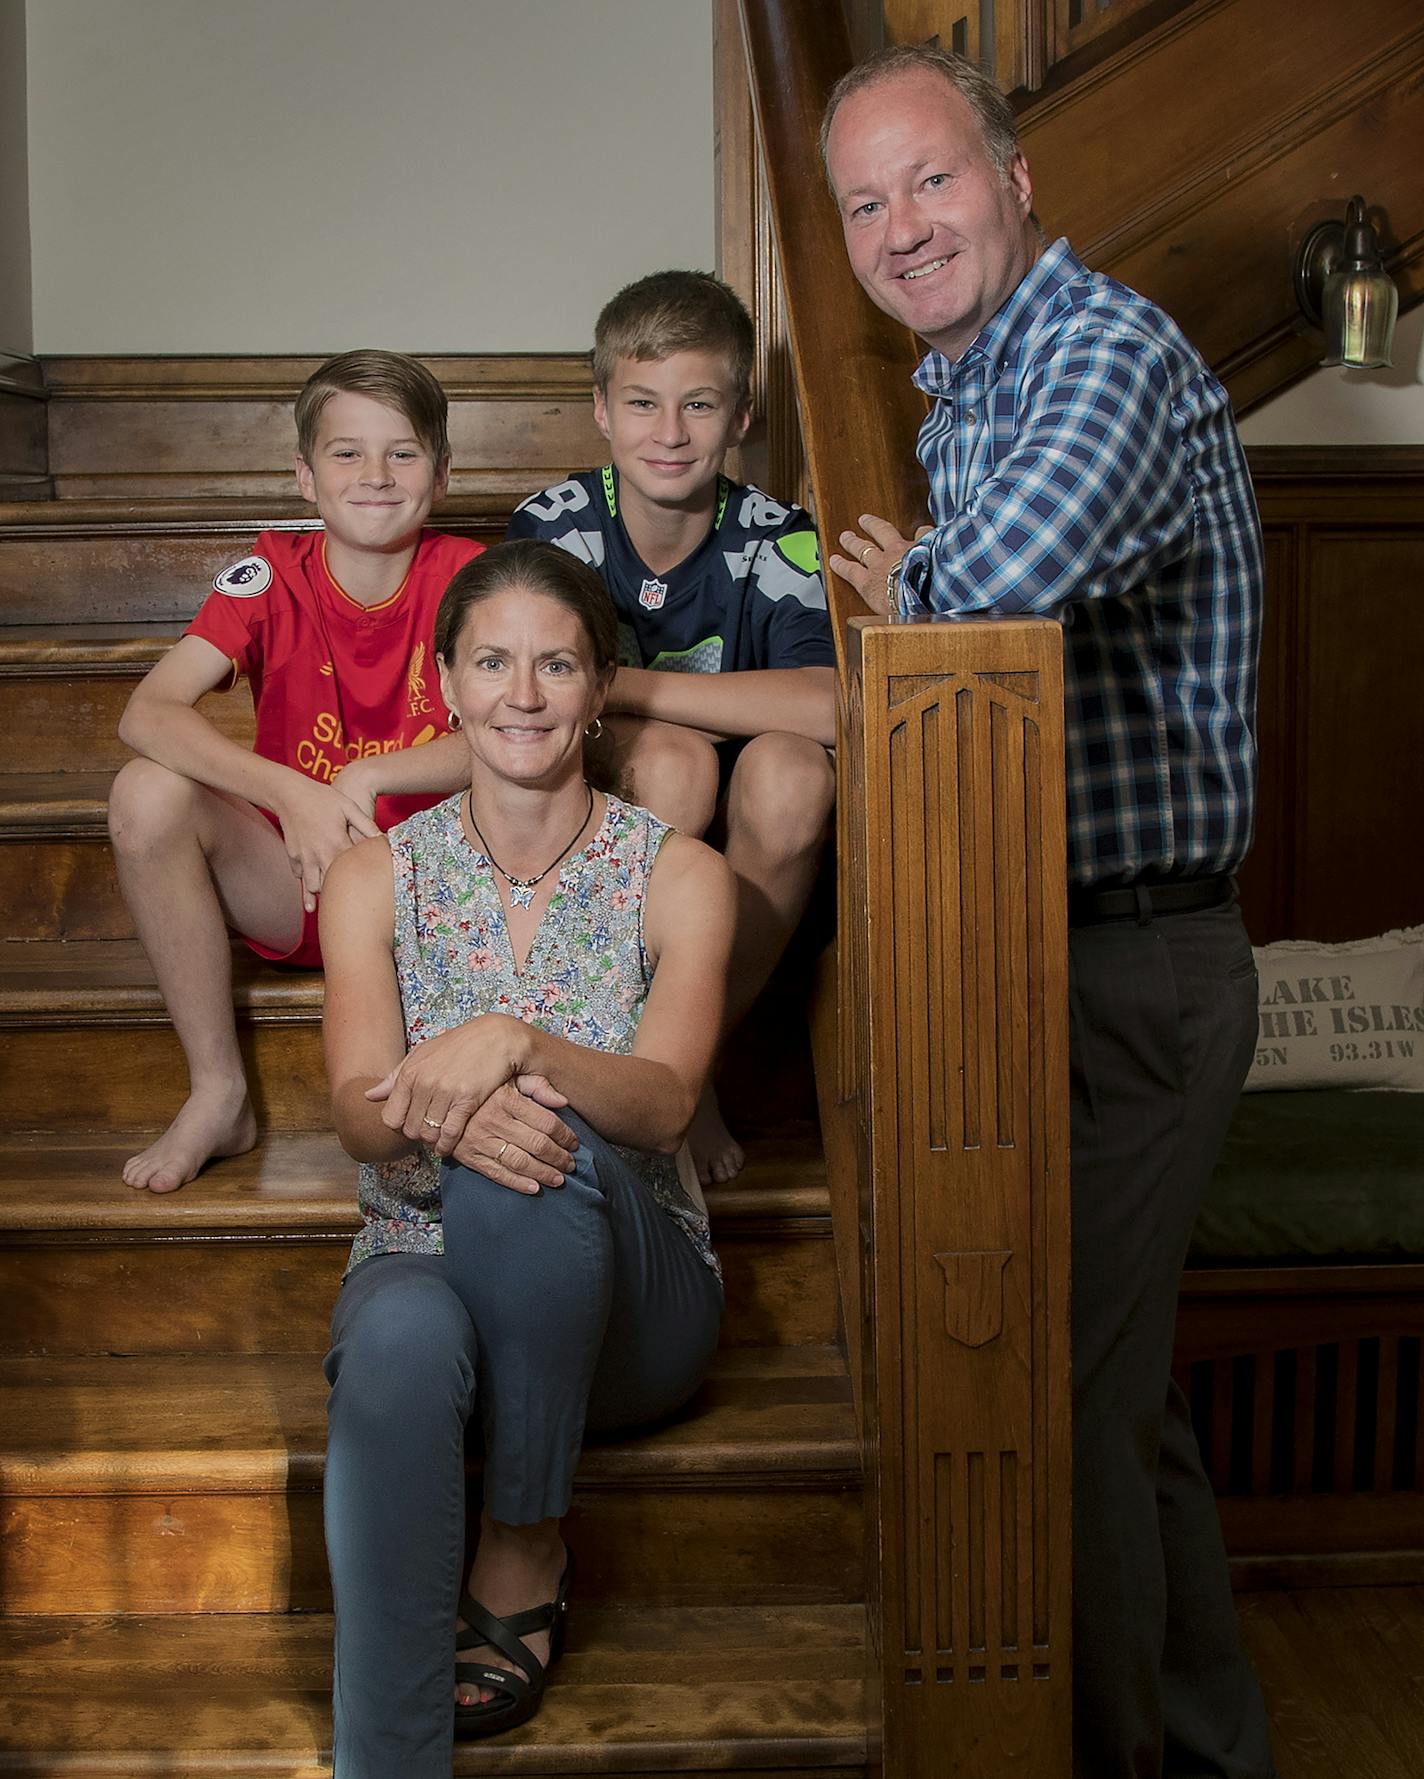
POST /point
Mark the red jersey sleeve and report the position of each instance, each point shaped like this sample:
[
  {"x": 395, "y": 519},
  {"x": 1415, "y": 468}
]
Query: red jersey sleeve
[{"x": 232, "y": 616}]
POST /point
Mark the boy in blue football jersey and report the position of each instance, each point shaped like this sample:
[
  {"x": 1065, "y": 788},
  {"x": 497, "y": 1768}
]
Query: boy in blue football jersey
[{"x": 725, "y": 705}]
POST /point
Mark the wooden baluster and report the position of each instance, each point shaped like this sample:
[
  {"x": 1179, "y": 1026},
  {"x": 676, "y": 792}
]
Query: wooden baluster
[
  {"x": 1346, "y": 1411},
  {"x": 1263, "y": 1422},
  {"x": 1386, "y": 1408},
  {"x": 1222, "y": 1398},
  {"x": 1303, "y": 1440}
]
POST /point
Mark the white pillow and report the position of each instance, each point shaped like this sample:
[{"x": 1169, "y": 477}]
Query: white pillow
[{"x": 1348, "y": 1015}]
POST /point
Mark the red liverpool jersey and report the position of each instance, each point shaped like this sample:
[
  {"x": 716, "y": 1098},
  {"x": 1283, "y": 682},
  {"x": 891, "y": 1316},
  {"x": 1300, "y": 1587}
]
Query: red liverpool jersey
[{"x": 333, "y": 680}]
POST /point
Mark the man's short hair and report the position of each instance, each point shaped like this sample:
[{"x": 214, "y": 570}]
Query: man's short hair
[
  {"x": 979, "y": 92},
  {"x": 669, "y": 312},
  {"x": 401, "y": 383}
]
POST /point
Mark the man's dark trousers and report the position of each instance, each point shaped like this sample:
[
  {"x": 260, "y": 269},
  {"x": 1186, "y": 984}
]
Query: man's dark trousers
[{"x": 1162, "y": 1021}]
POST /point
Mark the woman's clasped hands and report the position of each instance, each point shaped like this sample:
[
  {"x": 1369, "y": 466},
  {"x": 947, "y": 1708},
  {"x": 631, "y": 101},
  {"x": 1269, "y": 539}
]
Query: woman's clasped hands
[{"x": 463, "y": 1094}]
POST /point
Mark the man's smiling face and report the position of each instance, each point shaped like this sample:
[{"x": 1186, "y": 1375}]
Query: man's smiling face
[{"x": 937, "y": 235}]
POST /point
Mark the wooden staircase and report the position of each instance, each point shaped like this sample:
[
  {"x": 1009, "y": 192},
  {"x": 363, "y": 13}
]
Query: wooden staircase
[{"x": 162, "y": 1576}]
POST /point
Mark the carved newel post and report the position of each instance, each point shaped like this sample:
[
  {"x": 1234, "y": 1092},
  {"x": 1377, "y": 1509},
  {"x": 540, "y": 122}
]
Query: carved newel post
[{"x": 954, "y": 1047}]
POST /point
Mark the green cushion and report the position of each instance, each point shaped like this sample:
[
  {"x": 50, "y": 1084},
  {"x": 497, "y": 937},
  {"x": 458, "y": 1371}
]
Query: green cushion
[{"x": 1317, "y": 1175}]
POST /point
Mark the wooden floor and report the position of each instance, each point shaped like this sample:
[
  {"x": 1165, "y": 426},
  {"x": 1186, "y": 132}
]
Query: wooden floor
[{"x": 1343, "y": 1673}]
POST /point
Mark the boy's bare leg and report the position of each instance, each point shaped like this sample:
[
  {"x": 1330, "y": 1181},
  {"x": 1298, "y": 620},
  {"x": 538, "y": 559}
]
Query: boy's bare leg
[
  {"x": 665, "y": 768},
  {"x": 779, "y": 805},
  {"x": 191, "y": 862},
  {"x": 675, "y": 772}
]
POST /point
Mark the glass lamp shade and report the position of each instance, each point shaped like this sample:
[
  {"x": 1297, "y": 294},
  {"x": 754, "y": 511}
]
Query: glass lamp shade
[{"x": 1359, "y": 308}]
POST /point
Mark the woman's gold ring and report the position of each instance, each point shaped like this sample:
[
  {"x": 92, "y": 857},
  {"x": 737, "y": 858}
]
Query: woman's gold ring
[
  {"x": 503, "y": 1146},
  {"x": 437, "y": 1122}
]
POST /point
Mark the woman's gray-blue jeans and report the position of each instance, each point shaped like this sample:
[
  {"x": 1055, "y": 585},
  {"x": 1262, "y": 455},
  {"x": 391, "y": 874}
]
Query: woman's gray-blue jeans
[{"x": 580, "y": 1307}]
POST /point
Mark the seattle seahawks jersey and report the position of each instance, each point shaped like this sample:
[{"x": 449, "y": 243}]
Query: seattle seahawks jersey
[{"x": 749, "y": 596}]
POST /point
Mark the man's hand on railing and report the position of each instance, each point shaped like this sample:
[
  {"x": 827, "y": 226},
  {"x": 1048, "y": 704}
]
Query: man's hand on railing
[{"x": 871, "y": 560}]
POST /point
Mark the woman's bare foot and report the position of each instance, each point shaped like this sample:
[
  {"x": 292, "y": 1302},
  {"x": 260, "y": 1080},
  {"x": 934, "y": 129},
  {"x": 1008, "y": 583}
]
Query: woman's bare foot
[
  {"x": 716, "y": 1153},
  {"x": 515, "y": 1569},
  {"x": 210, "y": 1124}
]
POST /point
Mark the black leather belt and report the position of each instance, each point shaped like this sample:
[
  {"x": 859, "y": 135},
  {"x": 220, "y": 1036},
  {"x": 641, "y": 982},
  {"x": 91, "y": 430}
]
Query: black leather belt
[{"x": 1148, "y": 898}]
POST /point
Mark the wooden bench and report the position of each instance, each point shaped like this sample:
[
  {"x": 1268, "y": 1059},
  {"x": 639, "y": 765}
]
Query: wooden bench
[{"x": 1299, "y": 1338}]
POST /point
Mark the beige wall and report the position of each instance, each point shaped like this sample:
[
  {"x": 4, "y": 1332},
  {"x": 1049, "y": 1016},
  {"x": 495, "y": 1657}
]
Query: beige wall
[
  {"x": 16, "y": 334},
  {"x": 1339, "y": 407},
  {"x": 305, "y": 175}
]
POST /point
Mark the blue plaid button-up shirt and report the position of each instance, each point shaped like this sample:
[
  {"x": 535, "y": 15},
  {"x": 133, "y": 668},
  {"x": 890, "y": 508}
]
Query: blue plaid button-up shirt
[{"x": 1084, "y": 466}]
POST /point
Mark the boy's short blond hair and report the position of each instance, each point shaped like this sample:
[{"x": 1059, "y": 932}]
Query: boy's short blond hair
[
  {"x": 669, "y": 312},
  {"x": 401, "y": 383}
]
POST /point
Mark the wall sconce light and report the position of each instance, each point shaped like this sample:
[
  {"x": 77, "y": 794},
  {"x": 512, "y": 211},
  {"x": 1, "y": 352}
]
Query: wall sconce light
[{"x": 1342, "y": 286}]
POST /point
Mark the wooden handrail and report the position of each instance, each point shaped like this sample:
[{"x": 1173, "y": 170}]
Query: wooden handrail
[
  {"x": 859, "y": 410},
  {"x": 941, "y": 1042}
]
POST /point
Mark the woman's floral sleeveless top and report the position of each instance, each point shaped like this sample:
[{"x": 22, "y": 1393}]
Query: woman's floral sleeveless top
[{"x": 586, "y": 978}]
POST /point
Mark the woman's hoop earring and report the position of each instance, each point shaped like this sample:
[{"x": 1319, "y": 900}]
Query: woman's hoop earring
[
  {"x": 594, "y": 731},
  {"x": 456, "y": 721}
]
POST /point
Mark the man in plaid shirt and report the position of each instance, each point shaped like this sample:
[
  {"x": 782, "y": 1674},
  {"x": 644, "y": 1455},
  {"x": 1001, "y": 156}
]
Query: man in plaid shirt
[{"x": 1084, "y": 465}]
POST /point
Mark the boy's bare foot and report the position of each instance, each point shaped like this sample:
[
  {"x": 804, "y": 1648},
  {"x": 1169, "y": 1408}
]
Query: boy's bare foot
[
  {"x": 716, "y": 1153},
  {"x": 209, "y": 1125},
  {"x": 516, "y": 1568}
]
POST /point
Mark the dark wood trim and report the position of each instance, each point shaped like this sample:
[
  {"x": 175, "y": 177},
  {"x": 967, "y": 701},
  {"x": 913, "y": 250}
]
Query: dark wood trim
[
  {"x": 531, "y": 376},
  {"x": 1328, "y": 1279},
  {"x": 1336, "y": 463},
  {"x": 1329, "y": 1569}
]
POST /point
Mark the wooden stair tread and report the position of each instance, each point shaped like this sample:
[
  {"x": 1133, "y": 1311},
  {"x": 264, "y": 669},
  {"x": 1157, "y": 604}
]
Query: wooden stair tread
[
  {"x": 647, "y": 1689},
  {"x": 198, "y": 1424},
  {"x": 33, "y": 803},
  {"x": 303, "y": 1180},
  {"x": 37, "y": 648},
  {"x": 58, "y": 980}
]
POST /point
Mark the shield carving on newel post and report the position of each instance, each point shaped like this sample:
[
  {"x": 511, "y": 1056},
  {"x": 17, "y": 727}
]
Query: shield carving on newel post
[{"x": 974, "y": 1295}]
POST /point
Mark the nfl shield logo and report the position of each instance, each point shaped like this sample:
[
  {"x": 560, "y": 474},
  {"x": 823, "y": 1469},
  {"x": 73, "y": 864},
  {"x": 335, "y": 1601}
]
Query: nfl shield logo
[{"x": 653, "y": 594}]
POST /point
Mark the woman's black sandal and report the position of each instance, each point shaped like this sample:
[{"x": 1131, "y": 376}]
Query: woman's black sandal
[{"x": 519, "y": 1698}]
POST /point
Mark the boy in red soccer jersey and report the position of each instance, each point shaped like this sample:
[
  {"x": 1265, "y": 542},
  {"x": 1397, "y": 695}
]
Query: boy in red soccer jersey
[{"x": 333, "y": 630}]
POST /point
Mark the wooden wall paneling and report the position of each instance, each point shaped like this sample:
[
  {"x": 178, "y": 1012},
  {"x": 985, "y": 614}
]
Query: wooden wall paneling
[
  {"x": 865, "y": 27},
  {"x": 738, "y": 192},
  {"x": 1198, "y": 204},
  {"x": 1337, "y": 855},
  {"x": 201, "y": 427},
  {"x": 1077, "y": 23},
  {"x": 964, "y": 1095},
  {"x": 956, "y": 24},
  {"x": 1360, "y": 851},
  {"x": 772, "y": 455}
]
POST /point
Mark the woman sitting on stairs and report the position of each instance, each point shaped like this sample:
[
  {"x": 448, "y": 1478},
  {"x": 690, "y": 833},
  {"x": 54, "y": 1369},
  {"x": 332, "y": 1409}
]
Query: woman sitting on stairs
[{"x": 523, "y": 991}]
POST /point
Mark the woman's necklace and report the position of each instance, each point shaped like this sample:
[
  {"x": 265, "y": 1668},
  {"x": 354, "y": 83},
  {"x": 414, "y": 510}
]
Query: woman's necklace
[{"x": 521, "y": 889}]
